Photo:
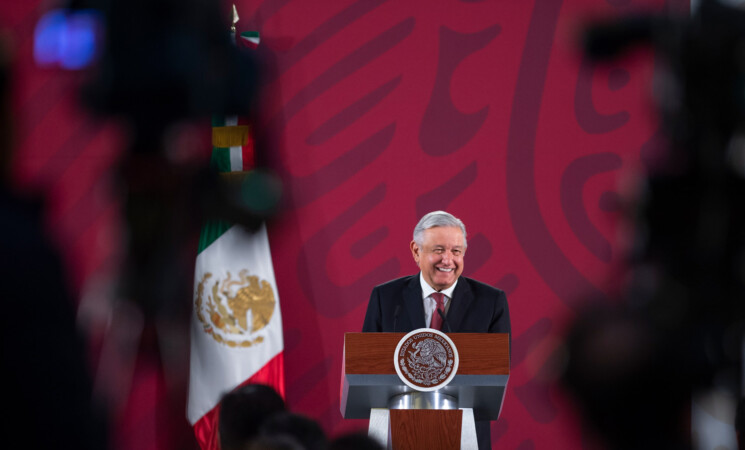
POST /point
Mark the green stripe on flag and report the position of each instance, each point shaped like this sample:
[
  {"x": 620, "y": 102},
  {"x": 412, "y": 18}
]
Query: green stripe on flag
[
  {"x": 211, "y": 231},
  {"x": 252, "y": 36},
  {"x": 220, "y": 159}
]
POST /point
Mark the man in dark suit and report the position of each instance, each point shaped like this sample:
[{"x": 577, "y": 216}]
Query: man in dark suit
[{"x": 411, "y": 302}]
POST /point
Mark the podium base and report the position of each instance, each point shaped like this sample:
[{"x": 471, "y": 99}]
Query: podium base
[{"x": 415, "y": 429}]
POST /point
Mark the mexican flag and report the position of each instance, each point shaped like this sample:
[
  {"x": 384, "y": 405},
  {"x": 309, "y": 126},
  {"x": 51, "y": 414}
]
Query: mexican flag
[{"x": 236, "y": 329}]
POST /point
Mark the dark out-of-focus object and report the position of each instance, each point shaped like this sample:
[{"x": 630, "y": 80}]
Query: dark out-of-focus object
[
  {"x": 354, "y": 441},
  {"x": 166, "y": 60},
  {"x": 49, "y": 392},
  {"x": 303, "y": 430},
  {"x": 628, "y": 379},
  {"x": 278, "y": 442},
  {"x": 161, "y": 63},
  {"x": 686, "y": 298}
]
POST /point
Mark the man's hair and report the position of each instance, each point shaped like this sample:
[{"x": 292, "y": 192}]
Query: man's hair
[
  {"x": 304, "y": 430},
  {"x": 437, "y": 219}
]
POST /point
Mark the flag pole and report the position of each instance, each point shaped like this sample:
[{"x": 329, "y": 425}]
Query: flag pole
[
  {"x": 235, "y": 340},
  {"x": 234, "y": 19}
]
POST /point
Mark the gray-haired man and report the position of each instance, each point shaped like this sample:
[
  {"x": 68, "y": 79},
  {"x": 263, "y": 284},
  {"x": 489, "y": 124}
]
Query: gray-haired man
[{"x": 408, "y": 303}]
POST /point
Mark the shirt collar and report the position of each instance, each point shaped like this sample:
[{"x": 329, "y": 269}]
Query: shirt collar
[{"x": 428, "y": 290}]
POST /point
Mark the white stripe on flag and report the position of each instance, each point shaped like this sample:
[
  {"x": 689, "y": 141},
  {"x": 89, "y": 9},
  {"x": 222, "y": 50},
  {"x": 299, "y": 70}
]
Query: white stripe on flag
[{"x": 236, "y": 159}]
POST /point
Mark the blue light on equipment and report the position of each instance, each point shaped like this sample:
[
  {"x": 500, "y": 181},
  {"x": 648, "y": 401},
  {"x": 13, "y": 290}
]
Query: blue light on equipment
[
  {"x": 67, "y": 39},
  {"x": 47, "y": 37}
]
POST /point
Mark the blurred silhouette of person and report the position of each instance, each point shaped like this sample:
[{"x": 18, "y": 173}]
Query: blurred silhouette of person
[
  {"x": 49, "y": 388},
  {"x": 354, "y": 441},
  {"x": 307, "y": 432},
  {"x": 243, "y": 411},
  {"x": 278, "y": 442},
  {"x": 626, "y": 380}
]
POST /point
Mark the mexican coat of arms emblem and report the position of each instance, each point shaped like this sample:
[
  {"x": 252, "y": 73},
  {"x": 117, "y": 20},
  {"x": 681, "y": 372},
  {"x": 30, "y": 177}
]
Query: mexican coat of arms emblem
[
  {"x": 426, "y": 359},
  {"x": 233, "y": 310}
]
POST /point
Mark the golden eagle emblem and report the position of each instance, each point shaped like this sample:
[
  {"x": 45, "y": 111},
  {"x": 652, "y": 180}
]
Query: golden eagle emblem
[{"x": 235, "y": 309}]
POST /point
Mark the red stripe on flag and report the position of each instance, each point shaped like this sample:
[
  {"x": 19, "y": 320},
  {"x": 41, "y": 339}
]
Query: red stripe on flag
[
  {"x": 247, "y": 151},
  {"x": 248, "y": 154},
  {"x": 205, "y": 430},
  {"x": 242, "y": 42},
  {"x": 272, "y": 374}
]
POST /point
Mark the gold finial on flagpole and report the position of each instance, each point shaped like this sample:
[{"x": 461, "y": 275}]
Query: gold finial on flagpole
[{"x": 235, "y": 19}]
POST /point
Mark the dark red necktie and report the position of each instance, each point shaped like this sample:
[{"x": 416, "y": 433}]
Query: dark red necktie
[{"x": 436, "y": 321}]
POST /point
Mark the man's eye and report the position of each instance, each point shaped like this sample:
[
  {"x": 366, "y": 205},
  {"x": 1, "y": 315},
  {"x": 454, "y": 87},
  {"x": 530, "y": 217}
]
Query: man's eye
[
  {"x": 438, "y": 250},
  {"x": 456, "y": 252}
]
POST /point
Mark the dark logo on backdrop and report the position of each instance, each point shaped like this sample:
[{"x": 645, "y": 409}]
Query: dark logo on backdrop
[{"x": 426, "y": 359}]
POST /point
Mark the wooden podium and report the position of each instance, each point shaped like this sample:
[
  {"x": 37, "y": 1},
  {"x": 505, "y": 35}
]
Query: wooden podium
[{"x": 371, "y": 389}]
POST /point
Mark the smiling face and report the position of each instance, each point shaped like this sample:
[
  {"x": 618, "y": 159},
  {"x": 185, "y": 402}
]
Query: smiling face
[{"x": 440, "y": 256}]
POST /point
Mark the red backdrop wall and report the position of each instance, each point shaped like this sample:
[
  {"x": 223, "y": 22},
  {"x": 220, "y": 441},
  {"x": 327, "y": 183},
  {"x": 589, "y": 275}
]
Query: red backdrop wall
[{"x": 384, "y": 111}]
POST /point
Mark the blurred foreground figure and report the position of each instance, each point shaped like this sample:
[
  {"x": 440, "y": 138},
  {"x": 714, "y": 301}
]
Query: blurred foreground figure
[
  {"x": 628, "y": 381},
  {"x": 48, "y": 395},
  {"x": 244, "y": 411},
  {"x": 679, "y": 330},
  {"x": 177, "y": 65},
  {"x": 295, "y": 427},
  {"x": 354, "y": 441}
]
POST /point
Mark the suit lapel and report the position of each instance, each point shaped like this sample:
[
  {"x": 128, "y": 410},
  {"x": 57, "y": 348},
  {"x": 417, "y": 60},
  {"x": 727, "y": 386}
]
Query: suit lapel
[
  {"x": 414, "y": 304},
  {"x": 462, "y": 298}
]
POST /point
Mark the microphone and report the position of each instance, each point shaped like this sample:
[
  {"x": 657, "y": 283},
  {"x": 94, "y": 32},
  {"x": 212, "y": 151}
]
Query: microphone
[
  {"x": 444, "y": 319},
  {"x": 395, "y": 316}
]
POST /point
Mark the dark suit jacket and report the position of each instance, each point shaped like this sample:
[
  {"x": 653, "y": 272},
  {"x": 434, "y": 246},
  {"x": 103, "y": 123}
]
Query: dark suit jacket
[
  {"x": 397, "y": 306},
  {"x": 475, "y": 307}
]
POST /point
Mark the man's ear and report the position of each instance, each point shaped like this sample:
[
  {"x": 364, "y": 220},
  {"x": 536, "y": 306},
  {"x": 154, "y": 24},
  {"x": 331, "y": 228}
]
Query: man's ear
[{"x": 415, "y": 251}]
